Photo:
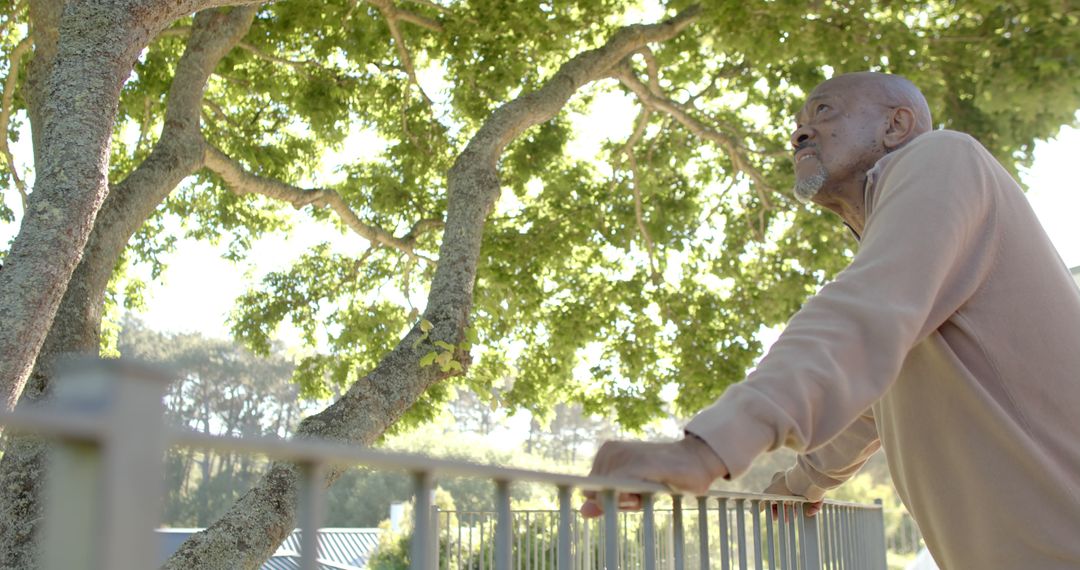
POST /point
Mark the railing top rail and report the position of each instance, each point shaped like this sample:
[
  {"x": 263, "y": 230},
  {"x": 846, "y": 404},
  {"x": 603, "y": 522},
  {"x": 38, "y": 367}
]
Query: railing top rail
[{"x": 89, "y": 427}]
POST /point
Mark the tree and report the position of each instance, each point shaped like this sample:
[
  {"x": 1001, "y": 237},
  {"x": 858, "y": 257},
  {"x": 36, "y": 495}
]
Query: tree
[{"x": 656, "y": 276}]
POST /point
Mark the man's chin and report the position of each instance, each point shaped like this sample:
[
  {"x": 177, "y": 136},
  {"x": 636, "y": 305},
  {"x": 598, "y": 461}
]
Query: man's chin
[
  {"x": 807, "y": 188},
  {"x": 806, "y": 194}
]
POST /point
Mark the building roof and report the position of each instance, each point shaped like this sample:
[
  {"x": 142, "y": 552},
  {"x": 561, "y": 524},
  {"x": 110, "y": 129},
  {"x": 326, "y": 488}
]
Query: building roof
[
  {"x": 284, "y": 560},
  {"x": 338, "y": 549},
  {"x": 353, "y": 546}
]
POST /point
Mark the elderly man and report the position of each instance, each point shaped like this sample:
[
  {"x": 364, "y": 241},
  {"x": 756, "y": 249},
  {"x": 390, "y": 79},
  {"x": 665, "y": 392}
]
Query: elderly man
[{"x": 952, "y": 341}]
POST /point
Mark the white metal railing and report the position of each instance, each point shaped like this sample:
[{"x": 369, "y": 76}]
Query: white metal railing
[{"x": 105, "y": 478}]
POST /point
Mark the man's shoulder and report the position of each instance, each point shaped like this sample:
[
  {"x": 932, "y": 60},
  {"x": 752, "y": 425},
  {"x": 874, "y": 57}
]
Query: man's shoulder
[
  {"x": 942, "y": 140},
  {"x": 940, "y": 147}
]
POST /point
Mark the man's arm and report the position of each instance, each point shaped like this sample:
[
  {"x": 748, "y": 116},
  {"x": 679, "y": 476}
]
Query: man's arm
[
  {"x": 830, "y": 465},
  {"x": 926, "y": 250}
]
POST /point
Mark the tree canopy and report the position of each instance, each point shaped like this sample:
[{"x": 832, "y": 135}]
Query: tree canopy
[
  {"x": 607, "y": 278},
  {"x": 640, "y": 273}
]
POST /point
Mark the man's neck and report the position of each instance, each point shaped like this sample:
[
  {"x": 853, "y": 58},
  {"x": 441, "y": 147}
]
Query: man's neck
[{"x": 847, "y": 201}]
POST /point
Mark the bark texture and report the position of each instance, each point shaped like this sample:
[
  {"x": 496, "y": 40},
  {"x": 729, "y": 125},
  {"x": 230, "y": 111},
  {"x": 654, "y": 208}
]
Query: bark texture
[
  {"x": 253, "y": 528},
  {"x": 97, "y": 42},
  {"x": 177, "y": 154}
]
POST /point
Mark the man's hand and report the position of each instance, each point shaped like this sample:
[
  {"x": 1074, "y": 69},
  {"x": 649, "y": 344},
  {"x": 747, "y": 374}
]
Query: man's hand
[
  {"x": 779, "y": 487},
  {"x": 688, "y": 466}
]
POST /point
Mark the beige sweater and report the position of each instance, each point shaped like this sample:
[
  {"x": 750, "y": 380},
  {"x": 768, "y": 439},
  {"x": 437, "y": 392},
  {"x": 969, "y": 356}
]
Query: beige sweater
[{"x": 953, "y": 341}]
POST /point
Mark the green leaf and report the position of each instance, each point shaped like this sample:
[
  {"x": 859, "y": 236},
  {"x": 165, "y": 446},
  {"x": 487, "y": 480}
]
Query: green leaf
[{"x": 428, "y": 359}]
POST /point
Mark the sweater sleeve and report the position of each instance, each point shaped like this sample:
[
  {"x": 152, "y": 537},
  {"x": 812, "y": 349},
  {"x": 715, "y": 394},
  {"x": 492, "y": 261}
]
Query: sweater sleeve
[
  {"x": 830, "y": 465},
  {"x": 926, "y": 249}
]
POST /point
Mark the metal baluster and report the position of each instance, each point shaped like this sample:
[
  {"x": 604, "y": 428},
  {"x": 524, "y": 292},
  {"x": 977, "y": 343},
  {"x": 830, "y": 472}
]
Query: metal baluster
[
  {"x": 625, "y": 541},
  {"x": 677, "y": 540},
  {"x": 798, "y": 515},
  {"x": 755, "y": 512},
  {"x": 782, "y": 537},
  {"x": 503, "y": 532},
  {"x": 811, "y": 545},
  {"x": 528, "y": 541},
  {"x": 860, "y": 537},
  {"x": 433, "y": 562},
  {"x": 878, "y": 530},
  {"x": 703, "y": 530},
  {"x": 648, "y": 530},
  {"x": 611, "y": 529},
  {"x": 827, "y": 542},
  {"x": 311, "y": 514},
  {"x": 587, "y": 551},
  {"x": 849, "y": 545},
  {"x": 420, "y": 551},
  {"x": 838, "y": 539},
  {"x": 725, "y": 538},
  {"x": 486, "y": 537},
  {"x": 564, "y": 528},
  {"x": 773, "y": 562},
  {"x": 793, "y": 539},
  {"x": 740, "y": 521}
]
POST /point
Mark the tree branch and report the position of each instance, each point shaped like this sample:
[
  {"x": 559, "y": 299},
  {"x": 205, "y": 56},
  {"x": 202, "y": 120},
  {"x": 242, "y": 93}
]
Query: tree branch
[
  {"x": 17, "y": 54},
  {"x": 247, "y": 534},
  {"x": 392, "y": 15},
  {"x": 433, "y": 5},
  {"x": 627, "y": 151},
  {"x": 418, "y": 20},
  {"x": 241, "y": 182},
  {"x": 732, "y": 148},
  {"x": 301, "y": 67}
]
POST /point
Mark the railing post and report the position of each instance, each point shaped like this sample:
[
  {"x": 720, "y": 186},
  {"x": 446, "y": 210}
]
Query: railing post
[
  {"x": 565, "y": 517},
  {"x": 808, "y": 532},
  {"x": 740, "y": 530},
  {"x": 878, "y": 530},
  {"x": 725, "y": 538},
  {"x": 611, "y": 529},
  {"x": 648, "y": 531},
  {"x": 311, "y": 513},
  {"x": 678, "y": 541},
  {"x": 105, "y": 495},
  {"x": 703, "y": 529},
  {"x": 419, "y": 549},
  {"x": 755, "y": 511},
  {"x": 436, "y": 556},
  {"x": 503, "y": 524},
  {"x": 781, "y": 535}
]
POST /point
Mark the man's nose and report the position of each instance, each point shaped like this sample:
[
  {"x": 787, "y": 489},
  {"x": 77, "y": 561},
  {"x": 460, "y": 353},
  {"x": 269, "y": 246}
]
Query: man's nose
[{"x": 800, "y": 136}]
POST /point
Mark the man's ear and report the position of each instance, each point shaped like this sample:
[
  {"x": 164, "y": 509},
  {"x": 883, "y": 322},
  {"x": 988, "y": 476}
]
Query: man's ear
[{"x": 901, "y": 127}]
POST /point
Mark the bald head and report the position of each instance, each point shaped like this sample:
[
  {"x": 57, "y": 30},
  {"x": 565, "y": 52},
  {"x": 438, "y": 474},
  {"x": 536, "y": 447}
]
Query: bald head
[
  {"x": 846, "y": 125},
  {"x": 893, "y": 91}
]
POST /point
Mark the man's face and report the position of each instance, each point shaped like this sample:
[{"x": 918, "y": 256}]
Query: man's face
[{"x": 837, "y": 137}]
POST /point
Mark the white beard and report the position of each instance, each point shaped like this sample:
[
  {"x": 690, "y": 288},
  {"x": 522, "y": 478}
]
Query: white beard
[{"x": 808, "y": 187}]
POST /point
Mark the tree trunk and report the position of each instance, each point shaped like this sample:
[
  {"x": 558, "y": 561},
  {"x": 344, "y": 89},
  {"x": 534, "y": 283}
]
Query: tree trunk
[
  {"x": 77, "y": 325},
  {"x": 260, "y": 520}
]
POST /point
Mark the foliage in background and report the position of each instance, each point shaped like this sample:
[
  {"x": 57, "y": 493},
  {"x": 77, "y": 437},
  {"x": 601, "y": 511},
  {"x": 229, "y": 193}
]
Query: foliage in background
[
  {"x": 637, "y": 274},
  {"x": 222, "y": 389}
]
